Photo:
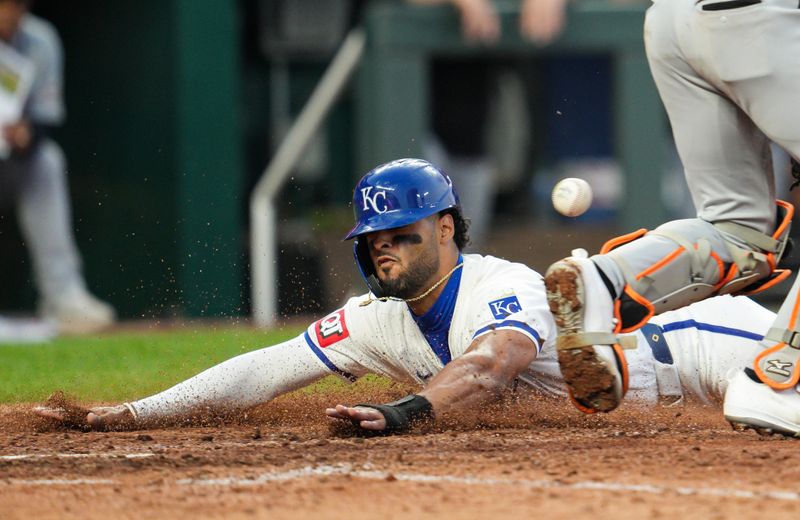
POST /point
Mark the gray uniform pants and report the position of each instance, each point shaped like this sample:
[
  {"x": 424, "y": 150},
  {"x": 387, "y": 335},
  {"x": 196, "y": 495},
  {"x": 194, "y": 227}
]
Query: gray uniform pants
[
  {"x": 37, "y": 184},
  {"x": 730, "y": 81}
]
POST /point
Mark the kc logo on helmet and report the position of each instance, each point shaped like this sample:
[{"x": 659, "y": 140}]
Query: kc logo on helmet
[
  {"x": 505, "y": 307},
  {"x": 379, "y": 197},
  {"x": 331, "y": 328}
]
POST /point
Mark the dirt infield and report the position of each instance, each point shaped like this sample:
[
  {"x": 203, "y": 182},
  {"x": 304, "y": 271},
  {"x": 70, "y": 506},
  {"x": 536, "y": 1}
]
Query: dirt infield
[{"x": 533, "y": 457}]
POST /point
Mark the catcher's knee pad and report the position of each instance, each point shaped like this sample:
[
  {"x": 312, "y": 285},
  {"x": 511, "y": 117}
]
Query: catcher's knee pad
[{"x": 693, "y": 271}]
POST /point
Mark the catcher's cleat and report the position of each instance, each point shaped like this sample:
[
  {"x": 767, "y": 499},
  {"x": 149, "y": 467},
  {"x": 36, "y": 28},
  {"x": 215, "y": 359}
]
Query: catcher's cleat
[
  {"x": 589, "y": 352},
  {"x": 753, "y": 405}
]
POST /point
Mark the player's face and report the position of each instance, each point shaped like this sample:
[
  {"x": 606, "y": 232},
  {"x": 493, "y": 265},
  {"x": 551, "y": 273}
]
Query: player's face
[
  {"x": 405, "y": 258},
  {"x": 11, "y": 13}
]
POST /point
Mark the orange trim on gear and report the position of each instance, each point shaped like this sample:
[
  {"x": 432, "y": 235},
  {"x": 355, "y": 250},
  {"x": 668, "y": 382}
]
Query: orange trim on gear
[
  {"x": 579, "y": 406},
  {"x": 771, "y": 262},
  {"x": 661, "y": 263},
  {"x": 618, "y": 316},
  {"x": 768, "y": 380},
  {"x": 721, "y": 266},
  {"x": 728, "y": 277},
  {"x": 787, "y": 219},
  {"x": 782, "y": 275},
  {"x": 620, "y": 240},
  {"x": 638, "y": 298},
  {"x": 624, "y": 364}
]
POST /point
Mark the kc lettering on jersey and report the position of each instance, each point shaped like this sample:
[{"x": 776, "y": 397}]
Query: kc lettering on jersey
[
  {"x": 504, "y": 307},
  {"x": 331, "y": 328}
]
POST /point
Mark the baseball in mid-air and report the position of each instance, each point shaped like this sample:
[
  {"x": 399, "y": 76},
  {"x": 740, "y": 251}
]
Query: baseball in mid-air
[{"x": 572, "y": 196}]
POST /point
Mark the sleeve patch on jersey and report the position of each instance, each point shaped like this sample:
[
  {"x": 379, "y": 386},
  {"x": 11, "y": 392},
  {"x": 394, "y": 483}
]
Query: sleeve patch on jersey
[
  {"x": 331, "y": 329},
  {"x": 504, "y": 307}
]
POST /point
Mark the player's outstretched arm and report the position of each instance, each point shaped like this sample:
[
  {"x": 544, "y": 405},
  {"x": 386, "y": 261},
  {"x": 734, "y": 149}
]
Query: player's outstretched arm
[
  {"x": 241, "y": 382},
  {"x": 488, "y": 367}
]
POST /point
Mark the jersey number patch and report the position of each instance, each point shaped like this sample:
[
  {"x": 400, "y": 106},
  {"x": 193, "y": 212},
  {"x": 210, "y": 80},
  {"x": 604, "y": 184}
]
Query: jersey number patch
[{"x": 331, "y": 328}]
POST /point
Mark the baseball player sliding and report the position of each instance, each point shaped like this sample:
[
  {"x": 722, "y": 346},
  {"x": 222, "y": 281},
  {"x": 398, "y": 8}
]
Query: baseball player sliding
[
  {"x": 463, "y": 327},
  {"x": 728, "y": 72}
]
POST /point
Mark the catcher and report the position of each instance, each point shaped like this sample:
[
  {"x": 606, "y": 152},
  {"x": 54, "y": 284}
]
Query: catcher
[{"x": 464, "y": 327}]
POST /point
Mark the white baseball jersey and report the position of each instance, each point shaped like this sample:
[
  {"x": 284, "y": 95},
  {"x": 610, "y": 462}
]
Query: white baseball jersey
[
  {"x": 385, "y": 338},
  {"x": 692, "y": 351}
]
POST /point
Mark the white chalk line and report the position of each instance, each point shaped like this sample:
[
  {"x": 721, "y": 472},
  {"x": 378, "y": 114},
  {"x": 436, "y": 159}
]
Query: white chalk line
[
  {"x": 371, "y": 474},
  {"x": 36, "y": 456},
  {"x": 69, "y": 482},
  {"x": 316, "y": 471}
]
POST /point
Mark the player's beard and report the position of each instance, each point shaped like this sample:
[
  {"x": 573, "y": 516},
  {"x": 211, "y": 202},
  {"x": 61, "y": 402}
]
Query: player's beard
[{"x": 417, "y": 277}]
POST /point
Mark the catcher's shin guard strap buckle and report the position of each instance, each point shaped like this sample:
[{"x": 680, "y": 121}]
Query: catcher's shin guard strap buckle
[
  {"x": 756, "y": 262},
  {"x": 587, "y": 339},
  {"x": 781, "y": 335},
  {"x": 400, "y": 415}
]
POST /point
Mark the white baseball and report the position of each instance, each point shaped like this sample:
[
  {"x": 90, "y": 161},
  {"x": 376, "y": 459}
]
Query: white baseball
[{"x": 572, "y": 196}]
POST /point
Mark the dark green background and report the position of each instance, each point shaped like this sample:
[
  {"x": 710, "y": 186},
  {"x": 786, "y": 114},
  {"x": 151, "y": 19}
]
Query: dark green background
[{"x": 167, "y": 132}]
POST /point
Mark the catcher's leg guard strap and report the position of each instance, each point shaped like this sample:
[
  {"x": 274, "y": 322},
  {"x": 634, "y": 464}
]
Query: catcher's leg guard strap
[
  {"x": 787, "y": 336},
  {"x": 755, "y": 264}
]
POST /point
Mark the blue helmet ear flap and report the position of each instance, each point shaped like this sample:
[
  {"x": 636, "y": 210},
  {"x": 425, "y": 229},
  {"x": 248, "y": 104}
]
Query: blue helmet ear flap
[{"x": 367, "y": 268}]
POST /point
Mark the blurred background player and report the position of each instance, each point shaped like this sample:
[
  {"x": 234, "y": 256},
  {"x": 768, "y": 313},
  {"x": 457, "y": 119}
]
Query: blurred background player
[
  {"x": 34, "y": 177},
  {"x": 728, "y": 73}
]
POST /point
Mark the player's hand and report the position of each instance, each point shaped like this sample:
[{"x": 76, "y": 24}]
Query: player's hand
[
  {"x": 110, "y": 418},
  {"x": 99, "y": 418},
  {"x": 367, "y": 418},
  {"x": 18, "y": 135},
  {"x": 479, "y": 20},
  {"x": 542, "y": 20}
]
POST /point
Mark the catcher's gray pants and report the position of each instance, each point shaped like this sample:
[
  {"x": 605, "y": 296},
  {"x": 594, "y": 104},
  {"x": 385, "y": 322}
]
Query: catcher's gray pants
[
  {"x": 730, "y": 81},
  {"x": 38, "y": 186}
]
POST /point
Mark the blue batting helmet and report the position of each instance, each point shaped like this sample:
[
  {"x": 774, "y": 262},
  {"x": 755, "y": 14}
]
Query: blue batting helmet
[
  {"x": 394, "y": 195},
  {"x": 399, "y": 193}
]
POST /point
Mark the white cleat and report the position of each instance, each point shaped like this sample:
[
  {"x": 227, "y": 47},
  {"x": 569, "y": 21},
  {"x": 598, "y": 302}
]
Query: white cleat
[
  {"x": 78, "y": 312},
  {"x": 595, "y": 374},
  {"x": 750, "y": 404}
]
